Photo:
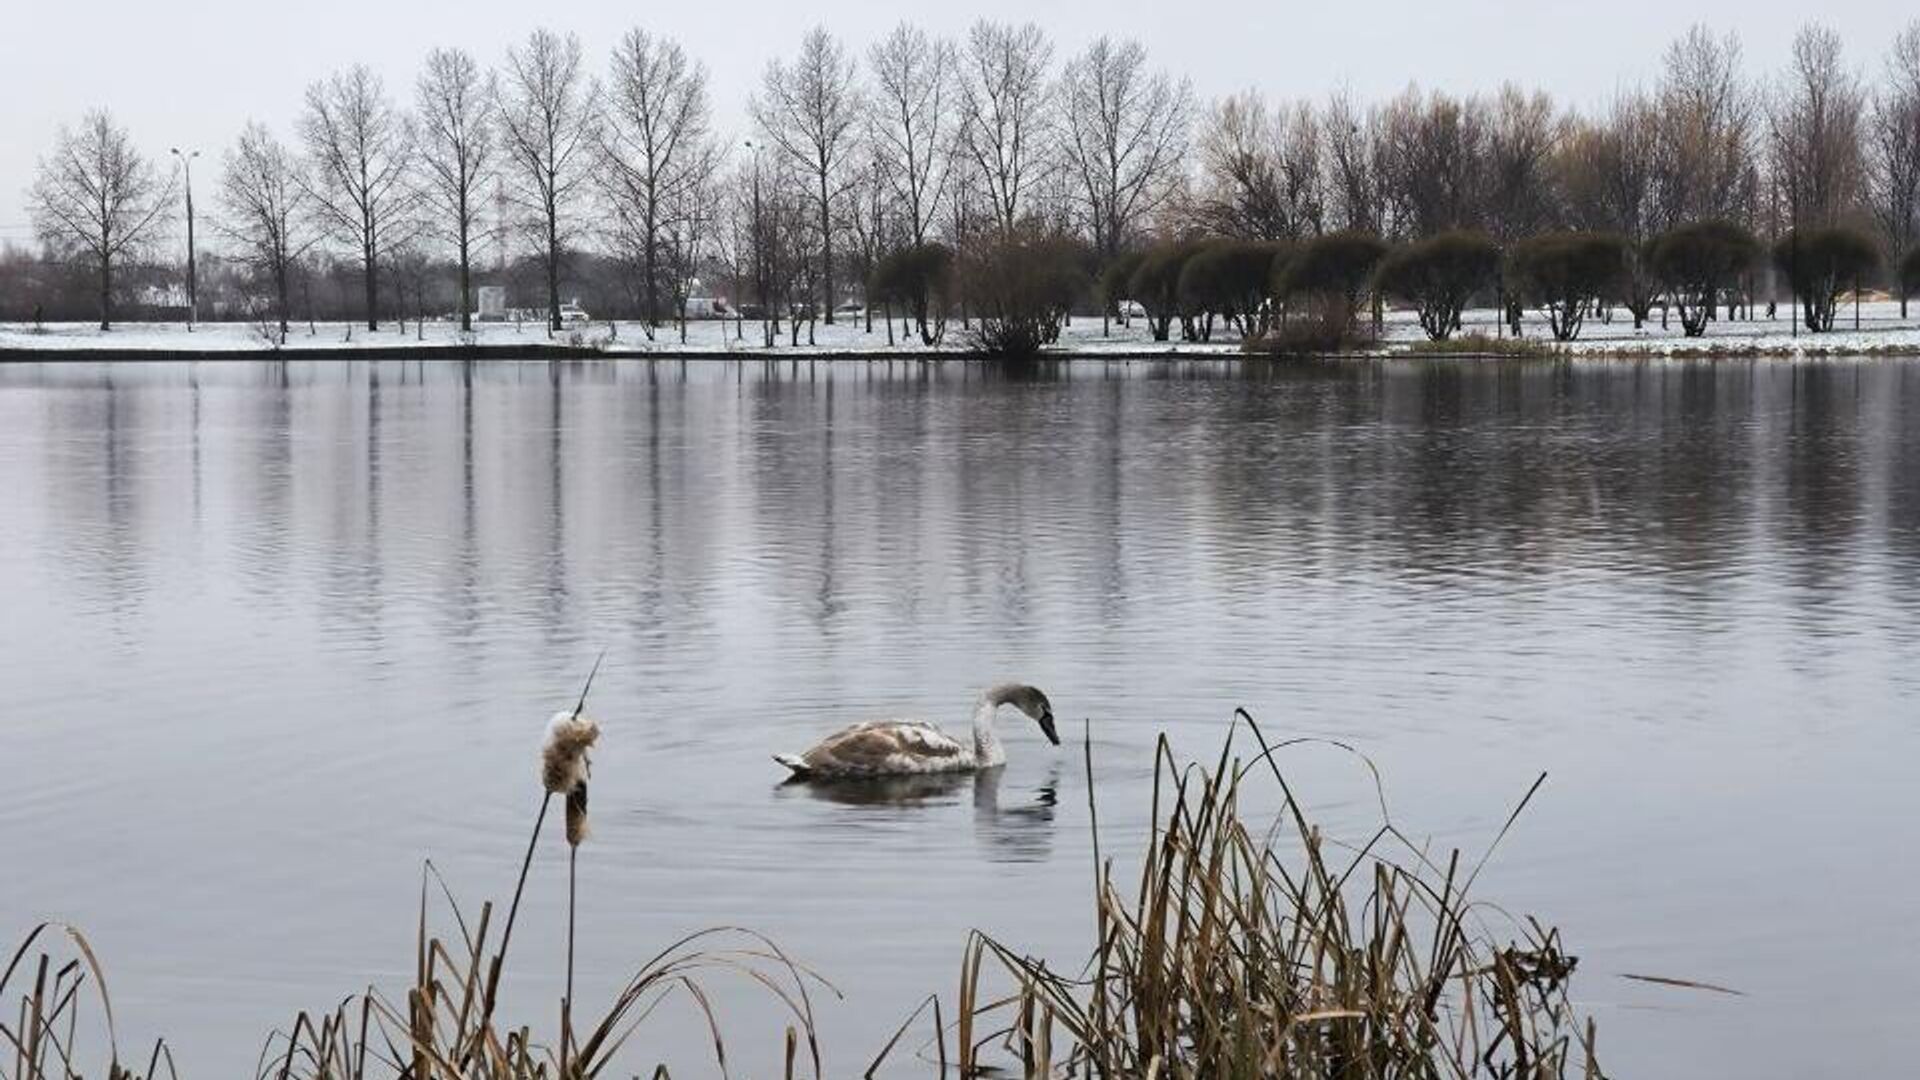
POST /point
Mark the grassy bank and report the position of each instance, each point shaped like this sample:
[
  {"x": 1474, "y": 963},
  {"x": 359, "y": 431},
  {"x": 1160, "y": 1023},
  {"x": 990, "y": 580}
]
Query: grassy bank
[{"x": 1236, "y": 947}]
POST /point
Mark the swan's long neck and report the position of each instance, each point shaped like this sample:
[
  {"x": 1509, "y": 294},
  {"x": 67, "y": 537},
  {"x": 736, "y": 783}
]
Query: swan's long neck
[{"x": 987, "y": 751}]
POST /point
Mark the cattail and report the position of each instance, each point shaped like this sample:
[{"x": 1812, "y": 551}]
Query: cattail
[
  {"x": 577, "y": 814},
  {"x": 563, "y": 760}
]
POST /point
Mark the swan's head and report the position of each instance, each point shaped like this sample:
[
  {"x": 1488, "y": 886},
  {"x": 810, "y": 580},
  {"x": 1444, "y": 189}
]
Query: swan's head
[{"x": 1029, "y": 700}]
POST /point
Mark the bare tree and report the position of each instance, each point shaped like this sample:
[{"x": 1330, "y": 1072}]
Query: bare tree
[
  {"x": 1005, "y": 100},
  {"x": 262, "y": 192},
  {"x": 1709, "y": 112},
  {"x": 687, "y": 237},
  {"x": 1357, "y": 155},
  {"x": 911, "y": 131},
  {"x": 359, "y": 148},
  {"x": 549, "y": 127},
  {"x": 455, "y": 105},
  {"x": 1125, "y": 133},
  {"x": 97, "y": 198},
  {"x": 1262, "y": 170},
  {"x": 1815, "y": 128},
  {"x": 1437, "y": 150},
  {"x": 1893, "y": 160},
  {"x": 657, "y": 145},
  {"x": 1523, "y": 135},
  {"x": 811, "y": 110}
]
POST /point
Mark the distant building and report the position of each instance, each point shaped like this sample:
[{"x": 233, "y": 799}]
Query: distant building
[{"x": 492, "y": 301}]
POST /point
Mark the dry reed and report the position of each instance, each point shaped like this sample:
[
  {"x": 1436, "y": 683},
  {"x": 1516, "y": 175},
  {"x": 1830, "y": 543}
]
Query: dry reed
[{"x": 1233, "y": 956}]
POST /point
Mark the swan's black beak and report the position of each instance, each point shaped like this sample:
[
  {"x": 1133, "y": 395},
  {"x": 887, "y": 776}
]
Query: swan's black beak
[{"x": 1046, "y": 727}]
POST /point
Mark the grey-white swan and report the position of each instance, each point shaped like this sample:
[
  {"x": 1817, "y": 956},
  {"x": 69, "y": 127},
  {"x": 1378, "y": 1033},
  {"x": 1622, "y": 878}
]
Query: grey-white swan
[{"x": 914, "y": 747}]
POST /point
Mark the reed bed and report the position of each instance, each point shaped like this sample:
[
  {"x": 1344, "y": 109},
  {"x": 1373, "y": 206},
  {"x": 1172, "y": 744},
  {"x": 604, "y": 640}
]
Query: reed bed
[
  {"x": 1240, "y": 952},
  {"x": 1270, "y": 952}
]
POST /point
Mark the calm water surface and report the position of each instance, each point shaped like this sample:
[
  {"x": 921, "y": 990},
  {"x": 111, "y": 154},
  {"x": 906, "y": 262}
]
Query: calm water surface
[{"x": 271, "y": 635}]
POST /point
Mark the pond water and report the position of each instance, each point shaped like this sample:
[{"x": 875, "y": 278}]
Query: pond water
[{"x": 272, "y": 635}]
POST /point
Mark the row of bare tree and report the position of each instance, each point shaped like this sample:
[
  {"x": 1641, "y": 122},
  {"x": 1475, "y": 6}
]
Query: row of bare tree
[{"x": 853, "y": 158}]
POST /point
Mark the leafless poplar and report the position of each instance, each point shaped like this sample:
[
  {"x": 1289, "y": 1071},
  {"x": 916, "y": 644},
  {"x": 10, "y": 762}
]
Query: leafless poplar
[
  {"x": 811, "y": 110},
  {"x": 658, "y": 146},
  {"x": 1125, "y": 130},
  {"x": 912, "y": 128},
  {"x": 359, "y": 150},
  {"x": 549, "y": 110},
  {"x": 264, "y": 199},
  {"x": 98, "y": 198},
  {"x": 1005, "y": 100},
  {"x": 455, "y": 107}
]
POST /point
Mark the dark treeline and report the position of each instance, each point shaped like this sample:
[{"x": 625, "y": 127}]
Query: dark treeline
[{"x": 989, "y": 183}]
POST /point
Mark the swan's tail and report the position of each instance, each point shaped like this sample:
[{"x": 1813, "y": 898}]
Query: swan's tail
[{"x": 799, "y": 767}]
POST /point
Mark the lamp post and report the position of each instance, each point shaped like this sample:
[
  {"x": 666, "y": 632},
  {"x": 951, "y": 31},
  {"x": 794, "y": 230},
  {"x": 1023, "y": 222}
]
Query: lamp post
[
  {"x": 193, "y": 284},
  {"x": 759, "y": 251}
]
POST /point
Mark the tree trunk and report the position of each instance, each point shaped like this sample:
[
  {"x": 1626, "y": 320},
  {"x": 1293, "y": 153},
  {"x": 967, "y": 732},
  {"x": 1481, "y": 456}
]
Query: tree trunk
[
  {"x": 553, "y": 267},
  {"x": 826, "y": 248},
  {"x": 280, "y": 288},
  {"x": 370, "y": 281},
  {"x": 466, "y": 279},
  {"x": 106, "y": 293},
  {"x": 653, "y": 278}
]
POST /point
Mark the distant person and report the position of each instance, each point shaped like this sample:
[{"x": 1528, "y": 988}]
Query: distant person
[{"x": 1772, "y": 308}]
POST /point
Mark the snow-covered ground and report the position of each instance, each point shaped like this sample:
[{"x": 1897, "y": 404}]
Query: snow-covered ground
[{"x": 1880, "y": 330}]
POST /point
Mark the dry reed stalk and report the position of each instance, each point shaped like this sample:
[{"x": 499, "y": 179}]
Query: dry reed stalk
[{"x": 1232, "y": 957}]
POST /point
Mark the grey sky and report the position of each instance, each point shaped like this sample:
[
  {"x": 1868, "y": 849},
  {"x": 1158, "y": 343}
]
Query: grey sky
[{"x": 192, "y": 73}]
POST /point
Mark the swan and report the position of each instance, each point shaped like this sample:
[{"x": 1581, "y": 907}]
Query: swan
[{"x": 914, "y": 747}]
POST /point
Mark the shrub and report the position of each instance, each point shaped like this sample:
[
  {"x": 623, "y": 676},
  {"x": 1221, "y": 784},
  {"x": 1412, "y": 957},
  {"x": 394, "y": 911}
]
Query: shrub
[
  {"x": 1231, "y": 279},
  {"x": 1439, "y": 275},
  {"x": 1821, "y": 264},
  {"x": 920, "y": 279},
  {"x": 1156, "y": 285},
  {"x": 1317, "y": 333},
  {"x": 1482, "y": 345},
  {"x": 1024, "y": 283},
  {"x": 1696, "y": 262},
  {"x": 1566, "y": 274},
  {"x": 1332, "y": 271}
]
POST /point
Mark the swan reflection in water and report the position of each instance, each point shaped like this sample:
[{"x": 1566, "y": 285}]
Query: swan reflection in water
[{"x": 1011, "y": 827}]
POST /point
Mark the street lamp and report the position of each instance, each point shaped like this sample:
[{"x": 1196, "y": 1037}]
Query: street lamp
[
  {"x": 193, "y": 284},
  {"x": 760, "y": 282}
]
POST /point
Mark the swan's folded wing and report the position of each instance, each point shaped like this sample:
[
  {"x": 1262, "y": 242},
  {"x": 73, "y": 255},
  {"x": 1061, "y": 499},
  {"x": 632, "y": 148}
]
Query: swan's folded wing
[{"x": 890, "y": 746}]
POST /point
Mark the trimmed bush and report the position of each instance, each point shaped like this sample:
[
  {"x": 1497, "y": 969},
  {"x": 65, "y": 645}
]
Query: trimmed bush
[
  {"x": 1156, "y": 286},
  {"x": 1567, "y": 274},
  {"x": 1333, "y": 272},
  {"x": 1697, "y": 262},
  {"x": 1821, "y": 264},
  {"x": 1231, "y": 279},
  {"x": 920, "y": 279},
  {"x": 1439, "y": 275}
]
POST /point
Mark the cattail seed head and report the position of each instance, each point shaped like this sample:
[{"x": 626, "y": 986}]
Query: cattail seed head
[
  {"x": 577, "y": 815},
  {"x": 563, "y": 760}
]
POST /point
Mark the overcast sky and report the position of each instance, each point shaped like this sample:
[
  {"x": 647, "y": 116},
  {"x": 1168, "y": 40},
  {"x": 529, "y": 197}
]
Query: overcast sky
[{"x": 191, "y": 73}]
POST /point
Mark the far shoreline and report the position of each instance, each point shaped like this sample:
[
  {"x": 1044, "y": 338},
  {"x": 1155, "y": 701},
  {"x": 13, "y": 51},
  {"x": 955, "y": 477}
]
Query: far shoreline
[{"x": 552, "y": 353}]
